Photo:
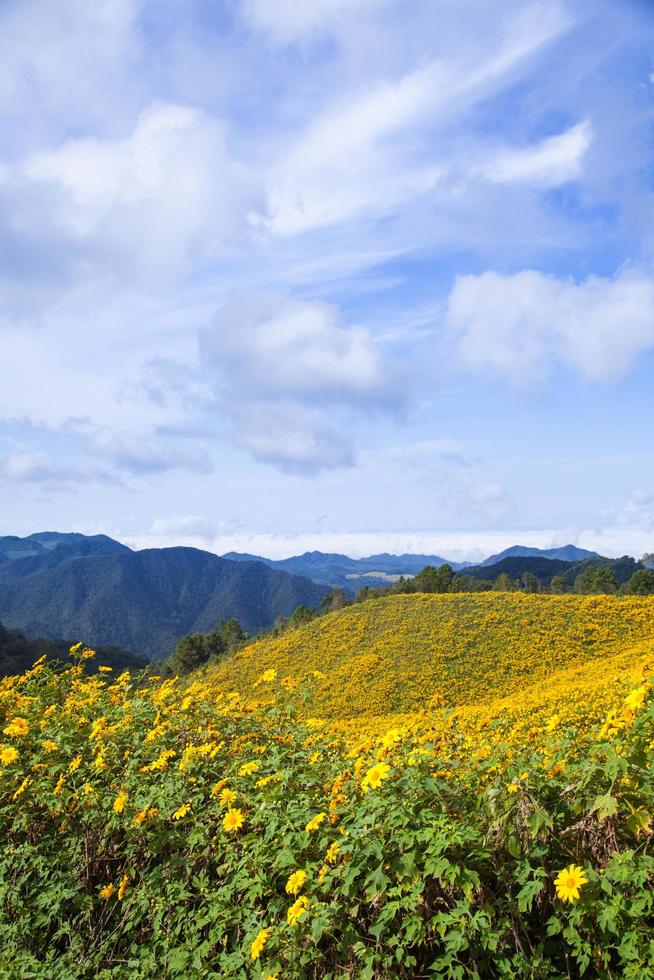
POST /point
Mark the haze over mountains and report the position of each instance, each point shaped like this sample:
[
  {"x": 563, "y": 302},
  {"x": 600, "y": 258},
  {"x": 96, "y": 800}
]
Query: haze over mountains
[{"x": 74, "y": 586}]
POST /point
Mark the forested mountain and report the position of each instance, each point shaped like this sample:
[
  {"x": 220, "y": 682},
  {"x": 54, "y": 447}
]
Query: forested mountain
[
  {"x": 568, "y": 552},
  {"x": 545, "y": 569},
  {"x": 100, "y": 592}
]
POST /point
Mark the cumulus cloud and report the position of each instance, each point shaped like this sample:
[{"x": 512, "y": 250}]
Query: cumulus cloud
[
  {"x": 144, "y": 205},
  {"x": 286, "y": 368},
  {"x": 140, "y": 456},
  {"x": 523, "y": 326}
]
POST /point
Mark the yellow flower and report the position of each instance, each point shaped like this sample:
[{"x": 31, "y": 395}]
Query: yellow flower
[
  {"x": 122, "y": 887},
  {"x": 18, "y": 727},
  {"x": 182, "y": 811},
  {"x": 332, "y": 853},
  {"x": 248, "y": 768},
  {"x": 147, "y": 813},
  {"x": 8, "y": 755},
  {"x": 218, "y": 786},
  {"x": 315, "y": 822},
  {"x": 295, "y": 882},
  {"x": 87, "y": 788},
  {"x": 120, "y": 801},
  {"x": 569, "y": 881},
  {"x": 105, "y": 670},
  {"x": 635, "y": 700},
  {"x": 107, "y": 891},
  {"x": 299, "y": 907},
  {"x": 60, "y": 785},
  {"x": 50, "y": 746},
  {"x": 227, "y": 797},
  {"x": 268, "y": 676},
  {"x": 233, "y": 820},
  {"x": 75, "y": 763},
  {"x": 21, "y": 789},
  {"x": 259, "y": 942},
  {"x": 375, "y": 776},
  {"x": 88, "y": 654},
  {"x": 324, "y": 871}
]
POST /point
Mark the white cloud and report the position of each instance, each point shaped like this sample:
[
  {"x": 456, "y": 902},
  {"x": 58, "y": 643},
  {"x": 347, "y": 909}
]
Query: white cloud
[
  {"x": 40, "y": 468},
  {"x": 366, "y": 153},
  {"x": 147, "y": 204},
  {"x": 552, "y": 161},
  {"x": 522, "y": 326},
  {"x": 138, "y": 455},
  {"x": 639, "y": 509},
  {"x": 287, "y": 21},
  {"x": 285, "y": 368}
]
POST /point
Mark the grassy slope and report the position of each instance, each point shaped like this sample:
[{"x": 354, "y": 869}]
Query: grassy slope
[{"x": 405, "y": 652}]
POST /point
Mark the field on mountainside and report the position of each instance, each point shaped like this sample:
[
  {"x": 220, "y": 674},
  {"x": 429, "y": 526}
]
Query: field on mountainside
[
  {"x": 492, "y": 818},
  {"x": 406, "y": 652}
]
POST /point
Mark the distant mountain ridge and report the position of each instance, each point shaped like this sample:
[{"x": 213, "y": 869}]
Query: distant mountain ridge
[
  {"x": 96, "y": 589},
  {"x": 568, "y": 552},
  {"x": 100, "y": 591},
  {"x": 350, "y": 573}
]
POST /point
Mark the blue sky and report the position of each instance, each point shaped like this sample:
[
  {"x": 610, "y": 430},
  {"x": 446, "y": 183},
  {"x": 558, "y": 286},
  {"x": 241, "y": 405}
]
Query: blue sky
[{"x": 357, "y": 275}]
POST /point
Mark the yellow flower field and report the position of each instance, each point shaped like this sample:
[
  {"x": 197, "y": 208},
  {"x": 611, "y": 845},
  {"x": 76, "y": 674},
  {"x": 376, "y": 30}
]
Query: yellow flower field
[{"x": 480, "y": 804}]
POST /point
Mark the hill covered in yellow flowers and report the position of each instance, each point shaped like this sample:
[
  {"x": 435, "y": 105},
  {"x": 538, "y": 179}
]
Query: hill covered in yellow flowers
[{"x": 408, "y": 653}]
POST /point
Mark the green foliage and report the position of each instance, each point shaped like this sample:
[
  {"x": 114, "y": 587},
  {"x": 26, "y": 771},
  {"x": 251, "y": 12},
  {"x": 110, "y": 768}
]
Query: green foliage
[
  {"x": 17, "y": 653},
  {"x": 144, "y": 601},
  {"x": 198, "y": 649},
  {"x": 642, "y": 582},
  {"x": 446, "y": 868}
]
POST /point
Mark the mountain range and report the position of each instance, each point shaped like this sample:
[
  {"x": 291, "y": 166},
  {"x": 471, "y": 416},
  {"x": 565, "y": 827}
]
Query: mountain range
[
  {"x": 93, "y": 588},
  {"x": 383, "y": 569},
  {"x": 99, "y": 591}
]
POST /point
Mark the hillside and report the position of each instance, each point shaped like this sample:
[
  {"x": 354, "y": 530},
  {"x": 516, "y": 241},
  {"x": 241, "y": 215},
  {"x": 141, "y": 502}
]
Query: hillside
[
  {"x": 180, "y": 825},
  {"x": 144, "y": 601},
  {"x": 546, "y": 568},
  {"x": 405, "y": 652}
]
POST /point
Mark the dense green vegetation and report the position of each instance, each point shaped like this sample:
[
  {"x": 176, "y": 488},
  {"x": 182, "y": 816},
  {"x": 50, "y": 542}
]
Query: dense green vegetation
[
  {"x": 18, "y": 653},
  {"x": 145, "y": 601}
]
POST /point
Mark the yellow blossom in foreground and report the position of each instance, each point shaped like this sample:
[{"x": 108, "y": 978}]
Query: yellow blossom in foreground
[
  {"x": 227, "y": 797},
  {"x": 218, "y": 786},
  {"x": 18, "y": 727},
  {"x": 49, "y": 745},
  {"x": 147, "y": 813},
  {"x": 75, "y": 763},
  {"x": 120, "y": 801},
  {"x": 375, "y": 776},
  {"x": 182, "y": 811},
  {"x": 60, "y": 785},
  {"x": 315, "y": 822},
  {"x": 233, "y": 820},
  {"x": 295, "y": 882},
  {"x": 569, "y": 881},
  {"x": 105, "y": 670},
  {"x": 8, "y": 755},
  {"x": 635, "y": 700},
  {"x": 268, "y": 676},
  {"x": 107, "y": 891},
  {"x": 259, "y": 942},
  {"x": 21, "y": 789},
  {"x": 332, "y": 853},
  {"x": 122, "y": 887},
  {"x": 248, "y": 768},
  {"x": 297, "y": 910}
]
